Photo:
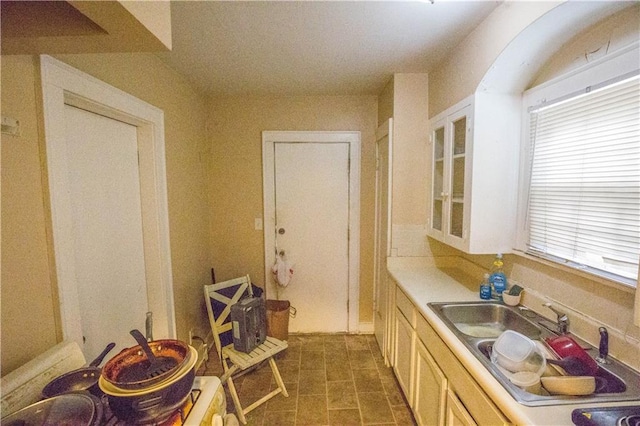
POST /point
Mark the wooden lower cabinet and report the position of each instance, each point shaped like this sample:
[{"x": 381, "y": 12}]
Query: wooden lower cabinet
[
  {"x": 457, "y": 414},
  {"x": 438, "y": 387},
  {"x": 430, "y": 389}
]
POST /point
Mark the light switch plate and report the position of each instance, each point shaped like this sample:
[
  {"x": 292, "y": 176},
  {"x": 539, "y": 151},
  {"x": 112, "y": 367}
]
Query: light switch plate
[{"x": 258, "y": 224}]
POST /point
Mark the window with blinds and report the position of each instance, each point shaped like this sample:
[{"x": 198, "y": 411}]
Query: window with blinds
[{"x": 584, "y": 190}]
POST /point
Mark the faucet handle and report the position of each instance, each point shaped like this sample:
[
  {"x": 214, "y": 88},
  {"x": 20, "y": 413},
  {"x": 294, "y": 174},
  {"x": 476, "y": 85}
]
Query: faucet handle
[
  {"x": 603, "y": 348},
  {"x": 561, "y": 318}
]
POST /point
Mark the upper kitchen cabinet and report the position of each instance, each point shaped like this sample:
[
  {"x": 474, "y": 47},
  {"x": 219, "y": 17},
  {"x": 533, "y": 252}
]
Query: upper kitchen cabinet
[{"x": 473, "y": 153}]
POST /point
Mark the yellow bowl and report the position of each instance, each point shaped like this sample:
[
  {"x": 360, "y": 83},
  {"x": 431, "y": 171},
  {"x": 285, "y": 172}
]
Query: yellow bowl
[{"x": 569, "y": 385}]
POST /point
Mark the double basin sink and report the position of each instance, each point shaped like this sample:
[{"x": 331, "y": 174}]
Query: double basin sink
[{"x": 478, "y": 324}]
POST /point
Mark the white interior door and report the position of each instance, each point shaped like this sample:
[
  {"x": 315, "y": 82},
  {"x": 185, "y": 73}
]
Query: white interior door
[
  {"x": 309, "y": 215},
  {"x": 382, "y": 246},
  {"x": 102, "y": 156}
]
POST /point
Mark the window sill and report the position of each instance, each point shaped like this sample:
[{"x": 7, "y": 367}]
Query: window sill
[{"x": 581, "y": 273}]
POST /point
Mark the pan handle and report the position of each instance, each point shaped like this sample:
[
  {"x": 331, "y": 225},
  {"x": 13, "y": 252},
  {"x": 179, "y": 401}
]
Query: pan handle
[{"x": 96, "y": 362}]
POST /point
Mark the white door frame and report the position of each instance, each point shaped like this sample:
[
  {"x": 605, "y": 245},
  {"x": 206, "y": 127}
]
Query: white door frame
[
  {"x": 269, "y": 138},
  {"x": 62, "y": 84}
]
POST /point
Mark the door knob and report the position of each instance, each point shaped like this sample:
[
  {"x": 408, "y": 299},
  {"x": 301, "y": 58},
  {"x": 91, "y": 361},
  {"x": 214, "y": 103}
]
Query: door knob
[{"x": 281, "y": 231}]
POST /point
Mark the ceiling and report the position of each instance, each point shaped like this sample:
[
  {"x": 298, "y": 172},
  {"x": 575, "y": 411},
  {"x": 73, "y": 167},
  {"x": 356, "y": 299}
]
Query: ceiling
[{"x": 228, "y": 48}]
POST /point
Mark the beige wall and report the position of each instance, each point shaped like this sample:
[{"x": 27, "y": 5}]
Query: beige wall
[
  {"x": 235, "y": 128},
  {"x": 609, "y": 35},
  {"x": 459, "y": 74},
  {"x": 405, "y": 98},
  {"x": 410, "y": 138},
  {"x": 29, "y": 319},
  {"x": 29, "y": 302},
  {"x": 385, "y": 103}
]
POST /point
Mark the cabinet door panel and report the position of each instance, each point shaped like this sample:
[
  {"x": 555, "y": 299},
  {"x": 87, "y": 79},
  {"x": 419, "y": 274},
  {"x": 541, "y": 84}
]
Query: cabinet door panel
[
  {"x": 430, "y": 389},
  {"x": 403, "y": 352},
  {"x": 437, "y": 177},
  {"x": 457, "y": 414},
  {"x": 450, "y": 141}
]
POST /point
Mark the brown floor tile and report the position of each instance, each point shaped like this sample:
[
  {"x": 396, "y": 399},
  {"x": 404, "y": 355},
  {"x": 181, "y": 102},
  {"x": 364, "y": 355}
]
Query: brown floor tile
[
  {"x": 337, "y": 346},
  {"x": 280, "y": 418},
  {"x": 335, "y": 379},
  {"x": 312, "y": 382},
  {"x": 361, "y": 359},
  {"x": 375, "y": 408},
  {"x": 339, "y": 373},
  {"x": 334, "y": 338},
  {"x": 337, "y": 356},
  {"x": 290, "y": 354},
  {"x": 309, "y": 339},
  {"x": 356, "y": 342},
  {"x": 289, "y": 371},
  {"x": 341, "y": 395},
  {"x": 367, "y": 380},
  {"x": 393, "y": 391},
  {"x": 313, "y": 387},
  {"x": 312, "y": 410},
  {"x": 312, "y": 360},
  {"x": 345, "y": 417},
  {"x": 403, "y": 415},
  {"x": 256, "y": 417},
  {"x": 282, "y": 403},
  {"x": 386, "y": 373},
  {"x": 255, "y": 384}
]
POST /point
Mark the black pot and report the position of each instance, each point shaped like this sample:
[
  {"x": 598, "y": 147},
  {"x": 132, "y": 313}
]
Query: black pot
[{"x": 153, "y": 407}]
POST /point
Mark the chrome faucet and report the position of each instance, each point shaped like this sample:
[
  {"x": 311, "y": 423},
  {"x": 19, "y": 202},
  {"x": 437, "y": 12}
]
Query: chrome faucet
[{"x": 562, "y": 320}]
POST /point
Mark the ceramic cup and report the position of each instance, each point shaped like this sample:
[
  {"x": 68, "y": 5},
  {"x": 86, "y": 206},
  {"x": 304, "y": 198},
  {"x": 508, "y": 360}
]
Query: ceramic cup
[{"x": 510, "y": 299}]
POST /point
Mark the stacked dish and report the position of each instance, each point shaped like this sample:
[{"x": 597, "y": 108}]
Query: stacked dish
[
  {"x": 515, "y": 352},
  {"x": 157, "y": 402}
]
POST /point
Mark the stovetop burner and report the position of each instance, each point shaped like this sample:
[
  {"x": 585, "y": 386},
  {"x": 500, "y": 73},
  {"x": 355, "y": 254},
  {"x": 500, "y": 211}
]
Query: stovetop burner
[
  {"x": 632, "y": 420},
  {"x": 607, "y": 416}
]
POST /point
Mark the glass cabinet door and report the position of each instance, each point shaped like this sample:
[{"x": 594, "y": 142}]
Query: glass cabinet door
[
  {"x": 450, "y": 157},
  {"x": 458, "y": 153},
  {"x": 438, "y": 194}
]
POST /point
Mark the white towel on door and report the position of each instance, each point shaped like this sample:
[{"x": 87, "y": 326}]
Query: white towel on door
[{"x": 282, "y": 271}]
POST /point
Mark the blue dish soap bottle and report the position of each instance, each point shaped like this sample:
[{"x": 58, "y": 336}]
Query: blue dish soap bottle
[
  {"x": 485, "y": 288},
  {"x": 497, "y": 278}
]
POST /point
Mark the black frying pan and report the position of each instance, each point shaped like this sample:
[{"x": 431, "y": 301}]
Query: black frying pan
[{"x": 82, "y": 379}]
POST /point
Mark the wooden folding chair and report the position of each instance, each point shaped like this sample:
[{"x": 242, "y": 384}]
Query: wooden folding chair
[{"x": 219, "y": 297}]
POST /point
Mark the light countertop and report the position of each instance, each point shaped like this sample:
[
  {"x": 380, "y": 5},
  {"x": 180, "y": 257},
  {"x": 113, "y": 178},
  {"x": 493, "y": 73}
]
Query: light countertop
[{"x": 424, "y": 283}]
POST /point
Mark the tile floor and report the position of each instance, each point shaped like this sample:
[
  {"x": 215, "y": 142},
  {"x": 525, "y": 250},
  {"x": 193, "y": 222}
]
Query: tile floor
[{"x": 332, "y": 379}]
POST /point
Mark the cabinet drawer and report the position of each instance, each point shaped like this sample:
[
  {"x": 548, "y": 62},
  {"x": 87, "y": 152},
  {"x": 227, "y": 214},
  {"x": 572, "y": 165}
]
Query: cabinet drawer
[
  {"x": 406, "y": 307},
  {"x": 424, "y": 331}
]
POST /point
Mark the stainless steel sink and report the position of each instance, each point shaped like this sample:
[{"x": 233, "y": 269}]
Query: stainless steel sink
[
  {"x": 488, "y": 320},
  {"x": 478, "y": 324}
]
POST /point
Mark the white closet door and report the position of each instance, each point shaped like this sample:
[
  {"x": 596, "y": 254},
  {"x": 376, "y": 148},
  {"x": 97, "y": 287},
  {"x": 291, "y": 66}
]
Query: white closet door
[{"x": 102, "y": 157}]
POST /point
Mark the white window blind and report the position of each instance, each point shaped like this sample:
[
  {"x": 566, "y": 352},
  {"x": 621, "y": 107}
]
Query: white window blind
[{"x": 584, "y": 200}]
